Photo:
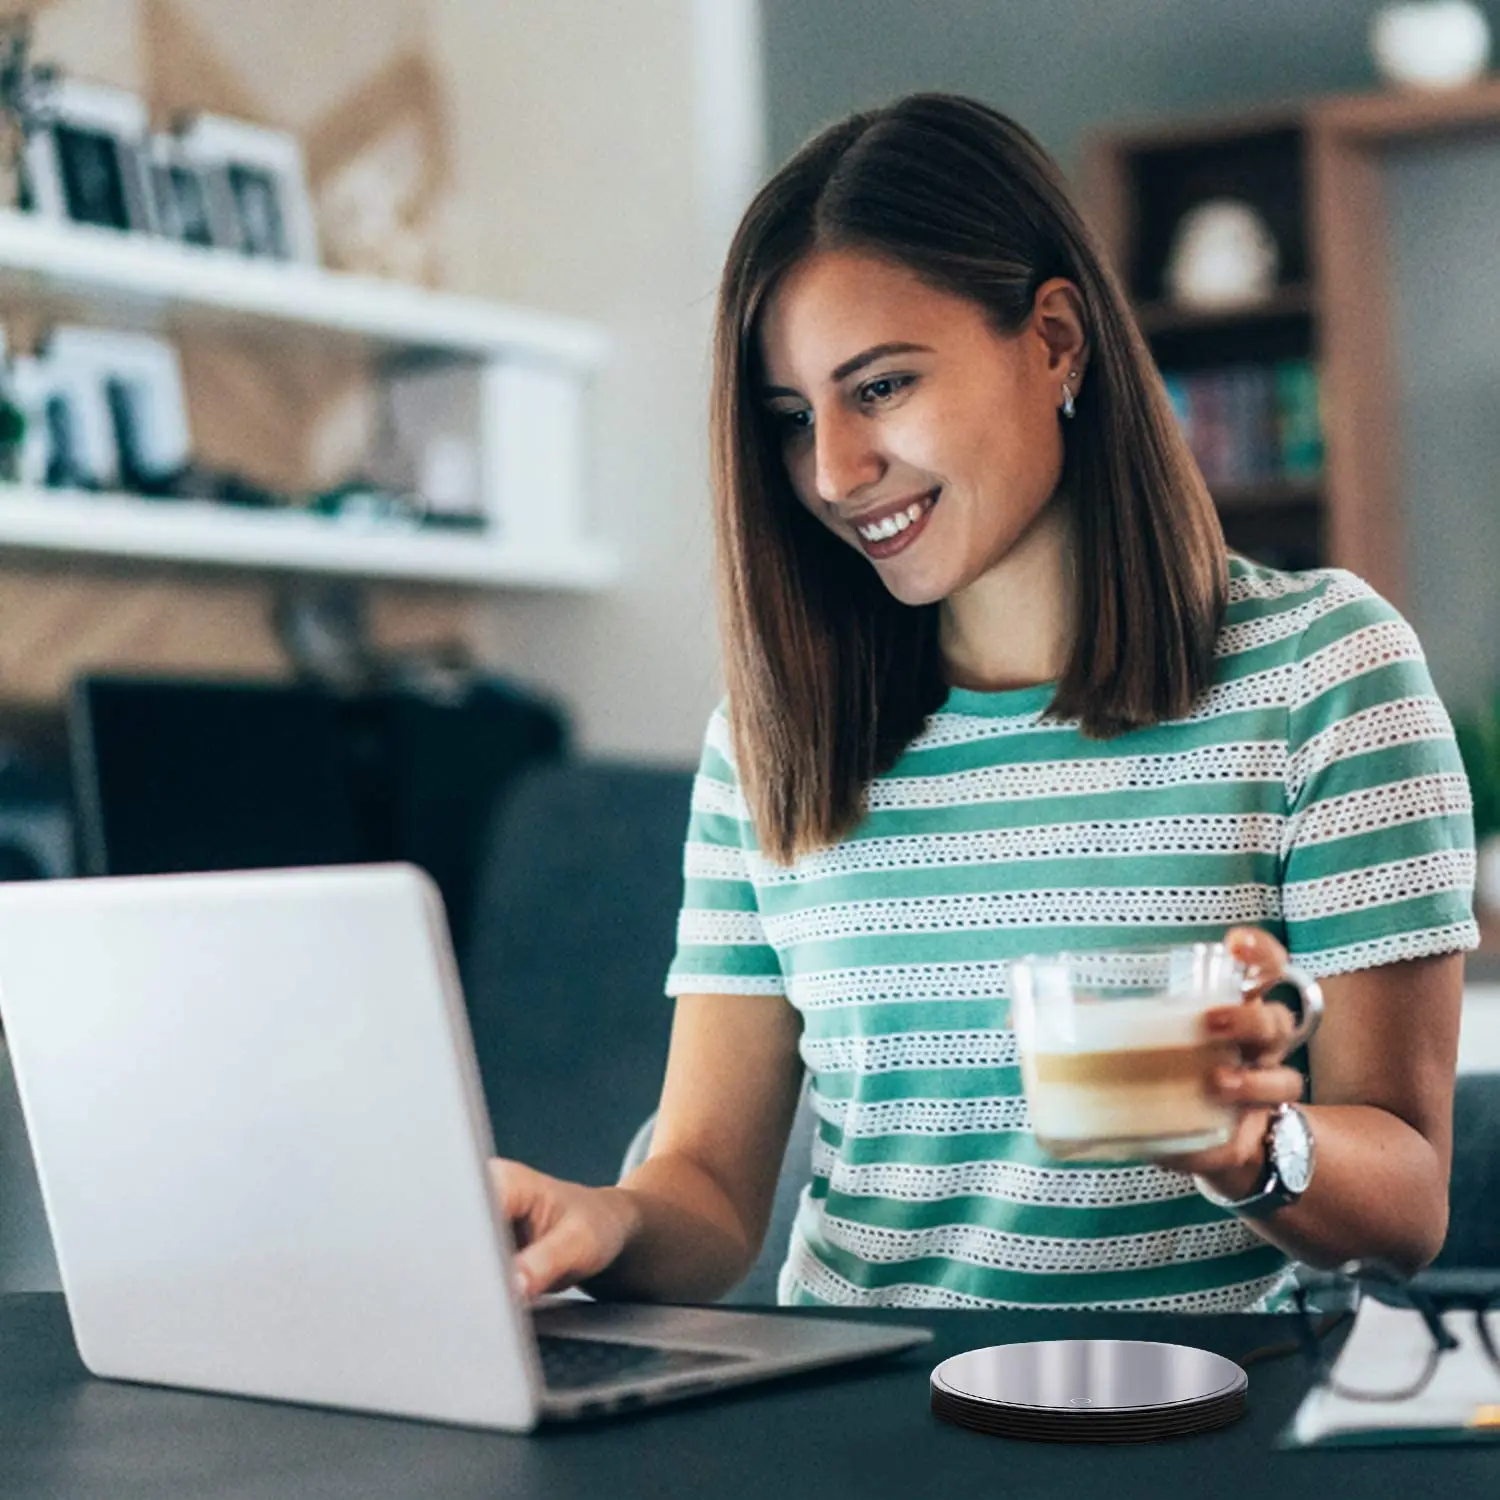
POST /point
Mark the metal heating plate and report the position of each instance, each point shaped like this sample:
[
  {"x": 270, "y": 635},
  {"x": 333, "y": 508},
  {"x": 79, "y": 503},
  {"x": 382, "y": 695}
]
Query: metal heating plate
[{"x": 1089, "y": 1390}]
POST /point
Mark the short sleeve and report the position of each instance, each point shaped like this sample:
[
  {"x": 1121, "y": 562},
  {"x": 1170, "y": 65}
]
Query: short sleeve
[
  {"x": 1378, "y": 856},
  {"x": 721, "y": 943}
]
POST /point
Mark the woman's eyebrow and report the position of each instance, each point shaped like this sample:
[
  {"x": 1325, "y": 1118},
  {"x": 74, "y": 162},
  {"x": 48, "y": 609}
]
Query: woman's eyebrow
[{"x": 849, "y": 366}]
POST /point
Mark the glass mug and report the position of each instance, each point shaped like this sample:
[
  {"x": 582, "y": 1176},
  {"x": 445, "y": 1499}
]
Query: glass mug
[{"x": 1114, "y": 1056}]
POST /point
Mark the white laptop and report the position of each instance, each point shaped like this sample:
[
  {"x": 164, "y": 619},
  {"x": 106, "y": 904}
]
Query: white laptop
[{"x": 262, "y": 1146}]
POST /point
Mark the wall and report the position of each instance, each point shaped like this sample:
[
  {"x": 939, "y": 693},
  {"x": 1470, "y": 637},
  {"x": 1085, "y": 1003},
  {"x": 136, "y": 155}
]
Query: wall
[
  {"x": 629, "y": 141},
  {"x": 1059, "y": 69},
  {"x": 592, "y": 160},
  {"x": 1066, "y": 70}
]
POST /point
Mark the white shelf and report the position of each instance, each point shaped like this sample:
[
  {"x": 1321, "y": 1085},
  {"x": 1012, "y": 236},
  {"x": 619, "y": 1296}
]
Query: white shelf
[
  {"x": 78, "y": 273},
  {"x": 198, "y": 532},
  {"x": 530, "y": 371}
]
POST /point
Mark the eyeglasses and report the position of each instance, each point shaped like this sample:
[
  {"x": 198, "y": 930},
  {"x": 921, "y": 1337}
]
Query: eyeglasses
[{"x": 1431, "y": 1296}]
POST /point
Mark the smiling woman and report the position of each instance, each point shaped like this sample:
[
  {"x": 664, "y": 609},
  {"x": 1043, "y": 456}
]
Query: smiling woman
[
  {"x": 910, "y": 306},
  {"x": 995, "y": 688}
]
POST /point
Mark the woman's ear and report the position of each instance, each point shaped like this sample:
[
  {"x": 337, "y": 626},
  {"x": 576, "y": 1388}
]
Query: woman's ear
[{"x": 1057, "y": 319}]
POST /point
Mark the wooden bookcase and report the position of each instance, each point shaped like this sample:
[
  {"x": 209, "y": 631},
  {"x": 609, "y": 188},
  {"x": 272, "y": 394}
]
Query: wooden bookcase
[{"x": 1313, "y": 171}]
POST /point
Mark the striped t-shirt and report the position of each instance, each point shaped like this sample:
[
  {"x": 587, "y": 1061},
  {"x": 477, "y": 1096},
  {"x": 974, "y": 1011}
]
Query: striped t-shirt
[{"x": 1315, "y": 791}]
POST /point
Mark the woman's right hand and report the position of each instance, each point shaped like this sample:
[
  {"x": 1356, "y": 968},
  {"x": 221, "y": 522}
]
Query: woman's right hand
[{"x": 564, "y": 1232}]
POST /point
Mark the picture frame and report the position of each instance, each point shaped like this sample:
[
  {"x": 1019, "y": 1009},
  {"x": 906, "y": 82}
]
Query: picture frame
[
  {"x": 135, "y": 379},
  {"x": 87, "y": 163},
  {"x": 426, "y": 442},
  {"x": 186, "y": 204},
  {"x": 69, "y": 443},
  {"x": 257, "y": 182}
]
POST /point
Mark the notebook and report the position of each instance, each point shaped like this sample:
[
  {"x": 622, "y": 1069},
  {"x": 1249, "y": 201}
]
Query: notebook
[{"x": 1387, "y": 1349}]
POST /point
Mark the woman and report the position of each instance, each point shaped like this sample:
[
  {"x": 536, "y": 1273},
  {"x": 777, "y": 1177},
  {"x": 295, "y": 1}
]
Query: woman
[{"x": 994, "y": 686}]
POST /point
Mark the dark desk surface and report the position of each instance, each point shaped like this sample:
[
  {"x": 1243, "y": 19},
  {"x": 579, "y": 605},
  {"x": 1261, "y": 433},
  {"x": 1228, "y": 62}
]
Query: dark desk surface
[{"x": 865, "y": 1433}]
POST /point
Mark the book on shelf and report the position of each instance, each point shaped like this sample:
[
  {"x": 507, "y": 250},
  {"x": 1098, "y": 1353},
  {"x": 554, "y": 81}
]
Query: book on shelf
[
  {"x": 1299, "y": 422},
  {"x": 1250, "y": 424}
]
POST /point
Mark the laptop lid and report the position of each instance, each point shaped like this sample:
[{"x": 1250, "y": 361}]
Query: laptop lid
[{"x": 233, "y": 1210}]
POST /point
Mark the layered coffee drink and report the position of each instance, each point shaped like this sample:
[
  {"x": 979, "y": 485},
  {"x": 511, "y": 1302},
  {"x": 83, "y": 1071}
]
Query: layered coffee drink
[
  {"x": 1115, "y": 1056},
  {"x": 1128, "y": 1078}
]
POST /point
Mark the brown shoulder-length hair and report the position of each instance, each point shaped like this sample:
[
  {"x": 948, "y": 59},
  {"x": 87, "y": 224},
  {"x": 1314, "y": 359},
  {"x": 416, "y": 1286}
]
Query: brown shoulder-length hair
[{"x": 829, "y": 677}]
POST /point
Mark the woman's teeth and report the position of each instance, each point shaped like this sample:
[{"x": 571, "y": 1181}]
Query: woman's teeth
[{"x": 878, "y": 531}]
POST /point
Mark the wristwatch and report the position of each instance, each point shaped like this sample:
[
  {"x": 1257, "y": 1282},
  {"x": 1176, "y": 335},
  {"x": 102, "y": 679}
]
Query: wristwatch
[{"x": 1290, "y": 1156}]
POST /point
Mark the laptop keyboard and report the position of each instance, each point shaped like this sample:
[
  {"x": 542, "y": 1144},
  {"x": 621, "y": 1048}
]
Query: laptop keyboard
[{"x": 569, "y": 1364}]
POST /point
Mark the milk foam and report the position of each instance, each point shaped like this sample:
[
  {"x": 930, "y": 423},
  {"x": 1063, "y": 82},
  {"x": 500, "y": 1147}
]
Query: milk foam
[{"x": 1118, "y": 1025}]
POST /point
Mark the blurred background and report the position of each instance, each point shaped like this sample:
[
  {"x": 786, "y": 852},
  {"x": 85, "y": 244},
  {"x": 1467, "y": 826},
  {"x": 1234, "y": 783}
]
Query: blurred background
[
  {"x": 589, "y": 161},
  {"x": 353, "y": 466}
]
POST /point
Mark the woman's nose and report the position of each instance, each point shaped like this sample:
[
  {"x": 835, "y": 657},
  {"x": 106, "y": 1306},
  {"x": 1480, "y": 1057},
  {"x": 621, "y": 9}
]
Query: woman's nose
[{"x": 846, "y": 460}]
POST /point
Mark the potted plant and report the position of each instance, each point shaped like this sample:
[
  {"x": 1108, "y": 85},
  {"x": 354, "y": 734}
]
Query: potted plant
[{"x": 25, "y": 93}]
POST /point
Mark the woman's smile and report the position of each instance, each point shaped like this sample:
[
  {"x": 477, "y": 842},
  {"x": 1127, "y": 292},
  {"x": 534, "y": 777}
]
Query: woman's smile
[{"x": 886, "y": 530}]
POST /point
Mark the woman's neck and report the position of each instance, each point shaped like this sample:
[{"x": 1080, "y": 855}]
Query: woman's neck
[{"x": 1013, "y": 627}]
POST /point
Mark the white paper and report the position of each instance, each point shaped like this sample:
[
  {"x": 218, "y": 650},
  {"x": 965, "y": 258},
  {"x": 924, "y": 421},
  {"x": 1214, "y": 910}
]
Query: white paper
[{"x": 1388, "y": 1349}]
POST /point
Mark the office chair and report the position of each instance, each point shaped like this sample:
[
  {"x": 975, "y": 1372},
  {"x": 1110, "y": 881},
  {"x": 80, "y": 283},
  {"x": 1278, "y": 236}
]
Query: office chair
[
  {"x": 1474, "y": 1183},
  {"x": 570, "y": 937}
]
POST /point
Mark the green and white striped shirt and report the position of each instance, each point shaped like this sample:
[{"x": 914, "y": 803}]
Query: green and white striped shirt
[{"x": 1315, "y": 791}]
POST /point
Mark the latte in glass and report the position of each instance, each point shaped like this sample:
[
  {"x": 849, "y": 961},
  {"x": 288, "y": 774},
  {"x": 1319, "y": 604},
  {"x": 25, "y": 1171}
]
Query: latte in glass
[{"x": 1114, "y": 1056}]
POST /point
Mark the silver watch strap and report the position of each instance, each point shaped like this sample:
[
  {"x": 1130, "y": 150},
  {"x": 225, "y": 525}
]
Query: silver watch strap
[{"x": 1272, "y": 1192}]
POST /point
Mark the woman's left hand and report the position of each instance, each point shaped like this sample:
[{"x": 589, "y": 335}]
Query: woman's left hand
[{"x": 1261, "y": 1030}]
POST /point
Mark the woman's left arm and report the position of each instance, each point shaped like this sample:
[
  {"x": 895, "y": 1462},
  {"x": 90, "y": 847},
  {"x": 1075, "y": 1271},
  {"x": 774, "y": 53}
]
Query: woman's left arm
[{"x": 1382, "y": 1066}]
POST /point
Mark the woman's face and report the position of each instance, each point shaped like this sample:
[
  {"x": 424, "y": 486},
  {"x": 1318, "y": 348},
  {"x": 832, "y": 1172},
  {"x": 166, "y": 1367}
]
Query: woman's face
[{"x": 909, "y": 427}]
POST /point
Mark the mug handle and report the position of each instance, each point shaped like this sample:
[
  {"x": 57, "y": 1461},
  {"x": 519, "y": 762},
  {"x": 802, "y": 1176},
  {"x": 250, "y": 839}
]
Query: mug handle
[{"x": 1310, "y": 993}]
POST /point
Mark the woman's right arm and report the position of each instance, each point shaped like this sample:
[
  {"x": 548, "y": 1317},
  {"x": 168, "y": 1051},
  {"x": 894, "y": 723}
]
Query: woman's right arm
[{"x": 688, "y": 1223}]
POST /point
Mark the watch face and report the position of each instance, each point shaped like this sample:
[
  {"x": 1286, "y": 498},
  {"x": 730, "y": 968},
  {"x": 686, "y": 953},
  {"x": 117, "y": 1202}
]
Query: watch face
[{"x": 1293, "y": 1146}]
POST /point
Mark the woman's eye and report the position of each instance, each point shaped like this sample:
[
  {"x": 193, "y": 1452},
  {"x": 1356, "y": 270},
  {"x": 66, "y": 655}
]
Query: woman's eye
[
  {"x": 791, "y": 423},
  {"x": 884, "y": 387}
]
